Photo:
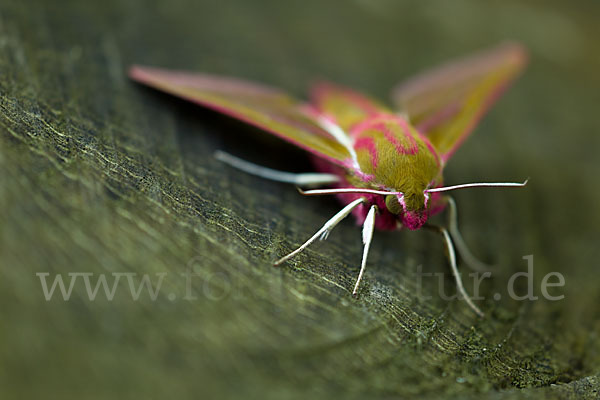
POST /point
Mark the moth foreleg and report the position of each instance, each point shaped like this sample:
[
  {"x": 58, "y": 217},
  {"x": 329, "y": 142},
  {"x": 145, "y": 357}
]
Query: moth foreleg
[
  {"x": 367, "y": 237},
  {"x": 324, "y": 231},
  {"x": 299, "y": 179}
]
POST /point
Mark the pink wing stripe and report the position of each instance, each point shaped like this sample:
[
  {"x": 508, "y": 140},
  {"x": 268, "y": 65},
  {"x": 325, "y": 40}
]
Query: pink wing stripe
[
  {"x": 369, "y": 144},
  {"x": 412, "y": 150},
  {"x": 378, "y": 121},
  {"x": 376, "y": 118},
  {"x": 406, "y": 130},
  {"x": 432, "y": 149}
]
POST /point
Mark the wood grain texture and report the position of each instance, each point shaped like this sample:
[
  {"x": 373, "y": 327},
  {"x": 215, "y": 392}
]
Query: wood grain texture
[{"x": 102, "y": 176}]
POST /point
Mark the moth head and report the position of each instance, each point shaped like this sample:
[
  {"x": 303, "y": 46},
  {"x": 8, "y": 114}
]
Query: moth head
[{"x": 411, "y": 208}]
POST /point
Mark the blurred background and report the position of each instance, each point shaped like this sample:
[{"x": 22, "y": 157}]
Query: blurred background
[{"x": 102, "y": 177}]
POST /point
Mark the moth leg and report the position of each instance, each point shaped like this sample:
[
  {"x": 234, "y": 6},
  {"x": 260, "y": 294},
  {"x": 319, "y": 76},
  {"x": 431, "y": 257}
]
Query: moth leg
[
  {"x": 301, "y": 179},
  {"x": 466, "y": 255},
  {"x": 324, "y": 231},
  {"x": 367, "y": 237},
  {"x": 454, "y": 268}
]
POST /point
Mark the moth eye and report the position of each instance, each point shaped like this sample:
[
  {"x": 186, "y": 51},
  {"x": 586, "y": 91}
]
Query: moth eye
[{"x": 392, "y": 204}]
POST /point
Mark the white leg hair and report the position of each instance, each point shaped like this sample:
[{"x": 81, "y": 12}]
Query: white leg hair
[
  {"x": 367, "y": 237},
  {"x": 324, "y": 231},
  {"x": 302, "y": 179},
  {"x": 453, "y": 267},
  {"x": 468, "y": 257}
]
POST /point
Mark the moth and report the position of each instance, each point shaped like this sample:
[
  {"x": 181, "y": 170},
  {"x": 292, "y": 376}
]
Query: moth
[{"x": 384, "y": 163}]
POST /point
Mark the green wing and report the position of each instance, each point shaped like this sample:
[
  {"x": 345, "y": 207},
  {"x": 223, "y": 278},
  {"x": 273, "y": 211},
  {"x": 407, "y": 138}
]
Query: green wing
[
  {"x": 447, "y": 102},
  {"x": 269, "y": 109}
]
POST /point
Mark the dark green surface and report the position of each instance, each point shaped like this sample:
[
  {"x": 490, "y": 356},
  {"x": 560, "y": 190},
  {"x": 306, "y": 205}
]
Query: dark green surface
[{"x": 101, "y": 175}]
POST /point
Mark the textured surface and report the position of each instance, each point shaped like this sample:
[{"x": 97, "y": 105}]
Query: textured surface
[{"x": 102, "y": 176}]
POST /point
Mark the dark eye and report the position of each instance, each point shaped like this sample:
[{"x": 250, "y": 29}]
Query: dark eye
[{"x": 392, "y": 204}]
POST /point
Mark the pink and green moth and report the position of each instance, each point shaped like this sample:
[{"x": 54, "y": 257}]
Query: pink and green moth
[{"x": 385, "y": 164}]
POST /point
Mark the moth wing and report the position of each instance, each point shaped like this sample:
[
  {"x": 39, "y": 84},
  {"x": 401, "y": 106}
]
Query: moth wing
[
  {"x": 447, "y": 102},
  {"x": 344, "y": 106},
  {"x": 266, "y": 108}
]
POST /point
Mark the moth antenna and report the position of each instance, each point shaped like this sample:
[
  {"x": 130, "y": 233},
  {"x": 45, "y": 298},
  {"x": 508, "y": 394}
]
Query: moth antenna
[
  {"x": 301, "y": 179},
  {"x": 324, "y": 231},
  {"x": 317, "y": 192},
  {"x": 367, "y": 237},
  {"x": 478, "y": 184},
  {"x": 468, "y": 257}
]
